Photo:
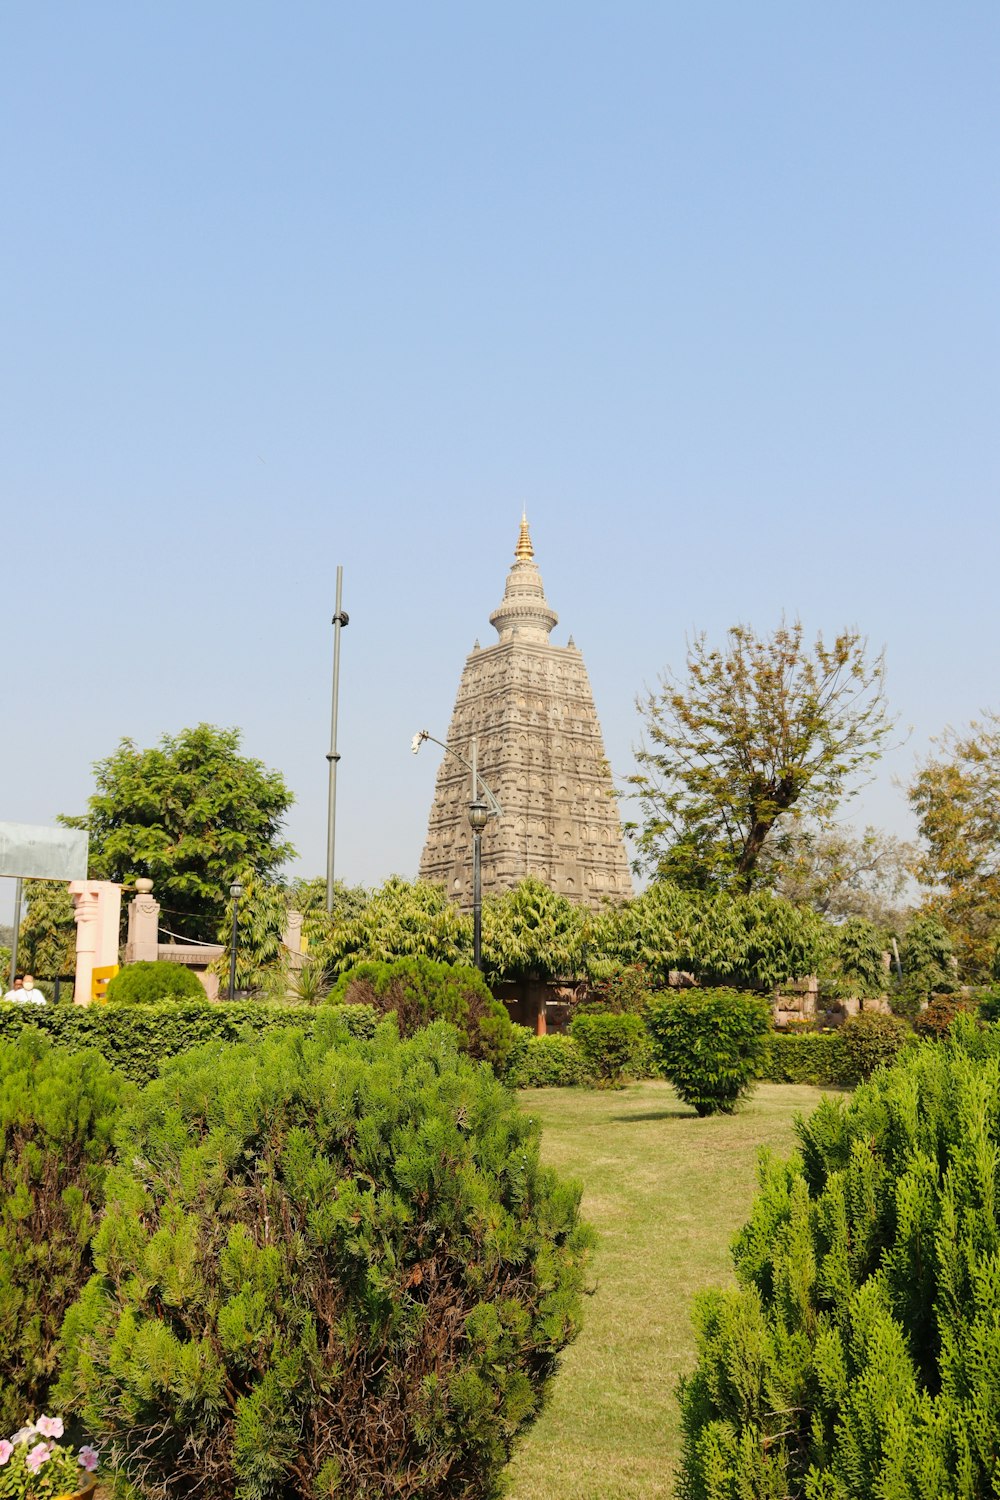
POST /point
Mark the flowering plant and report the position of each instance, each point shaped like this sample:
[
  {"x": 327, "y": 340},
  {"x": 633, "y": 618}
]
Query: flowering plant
[{"x": 35, "y": 1466}]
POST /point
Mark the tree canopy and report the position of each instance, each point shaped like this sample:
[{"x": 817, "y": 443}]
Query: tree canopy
[
  {"x": 765, "y": 727},
  {"x": 956, "y": 796},
  {"x": 844, "y": 874},
  {"x": 47, "y": 936},
  {"x": 191, "y": 814}
]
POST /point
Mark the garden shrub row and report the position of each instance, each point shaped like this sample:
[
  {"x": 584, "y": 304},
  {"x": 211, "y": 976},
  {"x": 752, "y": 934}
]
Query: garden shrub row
[
  {"x": 814, "y": 1057},
  {"x": 136, "y": 1040}
]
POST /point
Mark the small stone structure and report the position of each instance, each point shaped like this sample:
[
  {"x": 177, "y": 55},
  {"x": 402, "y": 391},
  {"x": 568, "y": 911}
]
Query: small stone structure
[
  {"x": 529, "y": 705},
  {"x": 143, "y": 941}
]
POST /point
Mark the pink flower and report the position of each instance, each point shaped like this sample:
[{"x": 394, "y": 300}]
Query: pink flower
[
  {"x": 6, "y": 1449},
  {"x": 50, "y": 1427},
  {"x": 38, "y": 1455},
  {"x": 88, "y": 1458}
]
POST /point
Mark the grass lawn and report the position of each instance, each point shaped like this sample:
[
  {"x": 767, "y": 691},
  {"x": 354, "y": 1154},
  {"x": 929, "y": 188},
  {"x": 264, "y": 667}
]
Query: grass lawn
[{"x": 666, "y": 1192}]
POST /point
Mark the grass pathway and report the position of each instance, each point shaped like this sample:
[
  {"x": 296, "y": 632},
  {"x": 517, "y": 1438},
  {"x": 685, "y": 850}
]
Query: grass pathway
[{"x": 666, "y": 1192}]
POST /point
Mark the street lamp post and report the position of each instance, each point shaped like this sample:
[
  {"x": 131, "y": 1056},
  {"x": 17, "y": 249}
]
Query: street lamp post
[
  {"x": 236, "y": 891},
  {"x": 478, "y": 814},
  {"x": 482, "y": 803}
]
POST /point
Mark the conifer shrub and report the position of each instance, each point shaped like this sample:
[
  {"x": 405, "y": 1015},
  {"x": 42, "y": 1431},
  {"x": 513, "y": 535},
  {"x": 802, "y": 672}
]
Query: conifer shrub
[
  {"x": 326, "y": 1268},
  {"x": 545, "y": 1062},
  {"x": 137, "y": 1040},
  {"x": 153, "y": 983},
  {"x": 614, "y": 1045},
  {"x": 872, "y": 1040},
  {"x": 56, "y": 1118},
  {"x": 858, "y": 1356},
  {"x": 418, "y": 991},
  {"x": 710, "y": 1044}
]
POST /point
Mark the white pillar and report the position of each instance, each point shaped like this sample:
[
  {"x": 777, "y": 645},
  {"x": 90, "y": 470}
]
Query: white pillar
[{"x": 97, "y": 908}]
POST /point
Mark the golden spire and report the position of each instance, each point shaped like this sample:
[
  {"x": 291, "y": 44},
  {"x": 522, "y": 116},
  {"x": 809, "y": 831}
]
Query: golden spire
[{"x": 524, "y": 551}]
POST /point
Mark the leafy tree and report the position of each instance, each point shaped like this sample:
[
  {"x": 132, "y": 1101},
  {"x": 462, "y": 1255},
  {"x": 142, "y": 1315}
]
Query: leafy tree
[
  {"x": 263, "y": 915},
  {"x": 761, "y": 729},
  {"x": 399, "y": 920},
  {"x": 532, "y": 931},
  {"x": 956, "y": 796},
  {"x": 721, "y": 937},
  {"x": 927, "y": 957},
  {"x": 47, "y": 938},
  {"x": 855, "y": 963},
  {"x": 844, "y": 874},
  {"x": 190, "y": 814}
]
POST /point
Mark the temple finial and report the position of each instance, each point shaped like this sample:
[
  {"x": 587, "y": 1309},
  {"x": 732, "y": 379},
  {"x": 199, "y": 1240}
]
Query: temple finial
[{"x": 524, "y": 551}]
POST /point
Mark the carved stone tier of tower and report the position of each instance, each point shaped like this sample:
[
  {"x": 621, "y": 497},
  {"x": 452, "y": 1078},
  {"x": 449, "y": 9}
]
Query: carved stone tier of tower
[{"x": 529, "y": 705}]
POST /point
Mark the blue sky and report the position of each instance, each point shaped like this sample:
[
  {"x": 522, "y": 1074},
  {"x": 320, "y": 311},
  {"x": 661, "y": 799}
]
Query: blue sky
[{"x": 711, "y": 290}]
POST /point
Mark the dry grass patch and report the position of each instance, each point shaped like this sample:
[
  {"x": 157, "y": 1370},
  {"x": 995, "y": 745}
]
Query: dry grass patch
[{"x": 667, "y": 1192}]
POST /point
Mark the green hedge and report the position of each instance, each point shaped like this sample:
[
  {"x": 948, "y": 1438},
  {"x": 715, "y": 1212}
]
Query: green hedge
[
  {"x": 136, "y": 1039},
  {"x": 816, "y": 1057},
  {"x": 545, "y": 1062}
]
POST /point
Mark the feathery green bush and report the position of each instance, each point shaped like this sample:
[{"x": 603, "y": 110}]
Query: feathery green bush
[
  {"x": 326, "y": 1268},
  {"x": 56, "y": 1119},
  {"x": 709, "y": 1044},
  {"x": 418, "y": 991},
  {"x": 149, "y": 983},
  {"x": 860, "y": 1355}
]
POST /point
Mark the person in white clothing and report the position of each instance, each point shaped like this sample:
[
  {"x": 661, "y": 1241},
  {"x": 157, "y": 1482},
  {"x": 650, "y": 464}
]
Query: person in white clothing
[{"x": 24, "y": 992}]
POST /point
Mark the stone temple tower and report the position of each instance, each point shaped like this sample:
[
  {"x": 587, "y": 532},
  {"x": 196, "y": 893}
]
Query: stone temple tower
[{"x": 530, "y": 708}]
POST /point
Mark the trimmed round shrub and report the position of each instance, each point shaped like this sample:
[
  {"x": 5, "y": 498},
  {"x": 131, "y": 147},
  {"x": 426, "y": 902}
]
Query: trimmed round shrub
[
  {"x": 56, "y": 1117},
  {"x": 326, "y": 1268},
  {"x": 872, "y": 1040},
  {"x": 150, "y": 983},
  {"x": 418, "y": 991},
  {"x": 858, "y": 1356},
  {"x": 710, "y": 1044},
  {"x": 614, "y": 1045}
]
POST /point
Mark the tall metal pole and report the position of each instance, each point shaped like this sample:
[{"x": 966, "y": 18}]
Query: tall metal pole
[
  {"x": 477, "y": 864},
  {"x": 17, "y": 924},
  {"x": 339, "y": 620},
  {"x": 477, "y": 898}
]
